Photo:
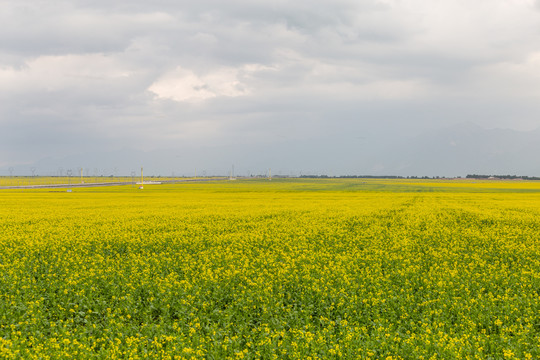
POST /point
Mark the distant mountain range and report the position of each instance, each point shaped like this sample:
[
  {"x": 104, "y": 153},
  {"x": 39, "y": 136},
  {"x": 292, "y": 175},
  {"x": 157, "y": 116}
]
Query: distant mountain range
[
  {"x": 452, "y": 151},
  {"x": 466, "y": 149}
]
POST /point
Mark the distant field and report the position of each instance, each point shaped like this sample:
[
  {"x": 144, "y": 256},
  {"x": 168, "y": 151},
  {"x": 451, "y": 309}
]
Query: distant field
[
  {"x": 281, "y": 269},
  {"x": 73, "y": 180}
]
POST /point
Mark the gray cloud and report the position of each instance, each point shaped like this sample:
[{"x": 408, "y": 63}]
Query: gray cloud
[{"x": 179, "y": 75}]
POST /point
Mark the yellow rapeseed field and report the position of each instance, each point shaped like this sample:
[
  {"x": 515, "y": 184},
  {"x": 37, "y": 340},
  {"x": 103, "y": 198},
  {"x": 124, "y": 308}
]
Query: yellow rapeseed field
[
  {"x": 281, "y": 269},
  {"x": 21, "y": 181}
]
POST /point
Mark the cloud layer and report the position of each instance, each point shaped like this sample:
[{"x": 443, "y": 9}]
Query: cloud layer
[{"x": 81, "y": 75}]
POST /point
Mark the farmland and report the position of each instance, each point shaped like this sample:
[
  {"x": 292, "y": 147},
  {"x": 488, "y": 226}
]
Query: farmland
[
  {"x": 299, "y": 269},
  {"x": 44, "y": 181}
]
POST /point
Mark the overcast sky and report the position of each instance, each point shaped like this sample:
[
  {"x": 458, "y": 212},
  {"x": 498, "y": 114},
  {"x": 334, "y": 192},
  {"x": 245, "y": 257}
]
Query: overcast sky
[{"x": 81, "y": 76}]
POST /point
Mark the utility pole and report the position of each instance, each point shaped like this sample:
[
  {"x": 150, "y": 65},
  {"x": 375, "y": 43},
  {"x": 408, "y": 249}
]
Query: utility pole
[{"x": 69, "y": 172}]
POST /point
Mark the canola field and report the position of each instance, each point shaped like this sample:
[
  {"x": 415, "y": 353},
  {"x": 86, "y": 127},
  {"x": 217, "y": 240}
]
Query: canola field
[
  {"x": 19, "y": 181},
  {"x": 281, "y": 269}
]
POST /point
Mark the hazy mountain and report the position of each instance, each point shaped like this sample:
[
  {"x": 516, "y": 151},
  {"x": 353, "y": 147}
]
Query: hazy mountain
[
  {"x": 457, "y": 150},
  {"x": 466, "y": 149}
]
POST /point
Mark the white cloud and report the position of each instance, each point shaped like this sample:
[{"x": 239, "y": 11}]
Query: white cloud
[
  {"x": 54, "y": 73},
  {"x": 181, "y": 85},
  {"x": 508, "y": 79},
  {"x": 184, "y": 85},
  {"x": 482, "y": 30}
]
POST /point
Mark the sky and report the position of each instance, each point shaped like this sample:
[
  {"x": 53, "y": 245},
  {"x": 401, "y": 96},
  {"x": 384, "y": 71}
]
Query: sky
[{"x": 314, "y": 86}]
